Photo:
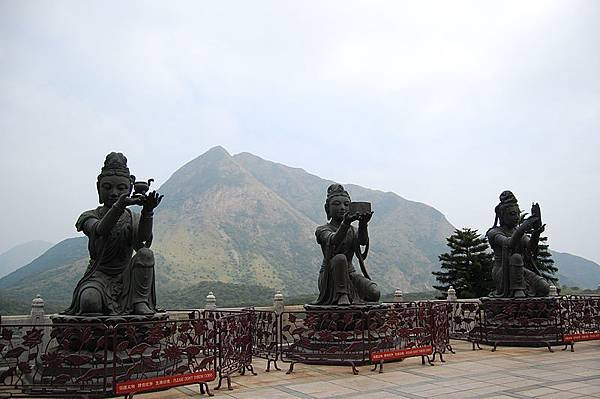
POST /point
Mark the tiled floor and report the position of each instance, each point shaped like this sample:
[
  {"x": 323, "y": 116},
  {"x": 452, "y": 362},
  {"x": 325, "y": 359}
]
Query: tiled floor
[{"x": 506, "y": 373}]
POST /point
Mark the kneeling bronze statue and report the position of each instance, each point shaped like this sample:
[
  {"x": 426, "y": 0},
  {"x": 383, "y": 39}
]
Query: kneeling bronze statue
[
  {"x": 339, "y": 282},
  {"x": 515, "y": 247},
  {"x": 117, "y": 282}
]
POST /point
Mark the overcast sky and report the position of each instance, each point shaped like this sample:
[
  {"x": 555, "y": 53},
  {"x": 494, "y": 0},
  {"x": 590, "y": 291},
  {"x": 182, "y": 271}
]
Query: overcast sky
[{"x": 446, "y": 103}]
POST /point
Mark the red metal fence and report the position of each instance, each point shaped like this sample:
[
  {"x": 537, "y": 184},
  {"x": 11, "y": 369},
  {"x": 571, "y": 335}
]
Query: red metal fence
[
  {"x": 98, "y": 360},
  {"x": 545, "y": 321}
]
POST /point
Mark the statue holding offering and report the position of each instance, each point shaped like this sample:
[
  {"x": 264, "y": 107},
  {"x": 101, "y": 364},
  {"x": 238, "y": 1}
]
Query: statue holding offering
[
  {"x": 515, "y": 247},
  {"x": 117, "y": 282},
  {"x": 339, "y": 282}
]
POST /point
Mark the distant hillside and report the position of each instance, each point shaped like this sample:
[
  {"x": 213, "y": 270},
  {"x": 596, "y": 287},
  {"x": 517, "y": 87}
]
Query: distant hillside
[
  {"x": 243, "y": 227},
  {"x": 247, "y": 221},
  {"x": 575, "y": 271},
  {"x": 406, "y": 236},
  {"x": 63, "y": 253},
  {"x": 21, "y": 255},
  {"x": 228, "y": 295},
  {"x": 243, "y": 219},
  {"x": 13, "y": 306}
]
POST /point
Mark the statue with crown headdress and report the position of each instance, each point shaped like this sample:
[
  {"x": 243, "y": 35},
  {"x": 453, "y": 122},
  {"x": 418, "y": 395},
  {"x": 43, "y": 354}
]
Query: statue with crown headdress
[
  {"x": 119, "y": 279},
  {"x": 340, "y": 241},
  {"x": 515, "y": 246}
]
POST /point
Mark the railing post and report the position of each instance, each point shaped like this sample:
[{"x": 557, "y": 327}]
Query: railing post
[
  {"x": 553, "y": 291},
  {"x": 451, "y": 294},
  {"x": 37, "y": 310},
  {"x": 398, "y": 296},
  {"x": 278, "y": 305},
  {"x": 278, "y": 308},
  {"x": 211, "y": 301}
]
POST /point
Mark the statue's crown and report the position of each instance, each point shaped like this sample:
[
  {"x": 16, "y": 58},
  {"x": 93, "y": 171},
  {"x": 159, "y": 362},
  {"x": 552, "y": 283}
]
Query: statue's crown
[
  {"x": 507, "y": 198},
  {"x": 336, "y": 189},
  {"x": 115, "y": 164}
]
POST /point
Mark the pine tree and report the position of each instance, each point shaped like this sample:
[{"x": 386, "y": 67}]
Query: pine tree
[
  {"x": 544, "y": 261},
  {"x": 467, "y": 267}
]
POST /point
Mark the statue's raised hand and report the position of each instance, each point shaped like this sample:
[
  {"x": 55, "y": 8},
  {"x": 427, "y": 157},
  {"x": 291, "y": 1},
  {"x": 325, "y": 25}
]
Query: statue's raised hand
[
  {"x": 530, "y": 223},
  {"x": 125, "y": 200},
  {"x": 537, "y": 212},
  {"x": 365, "y": 217},
  {"x": 151, "y": 201},
  {"x": 350, "y": 217}
]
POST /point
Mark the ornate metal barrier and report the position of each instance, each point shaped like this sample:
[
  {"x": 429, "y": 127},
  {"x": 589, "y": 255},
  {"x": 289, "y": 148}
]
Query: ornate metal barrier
[
  {"x": 54, "y": 360},
  {"x": 361, "y": 336},
  {"x": 324, "y": 337},
  {"x": 463, "y": 317},
  {"x": 581, "y": 315},
  {"x": 235, "y": 330},
  {"x": 162, "y": 354},
  {"x": 266, "y": 337},
  {"x": 520, "y": 322},
  {"x": 95, "y": 360},
  {"x": 545, "y": 321},
  {"x": 436, "y": 321},
  {"x": 397, "y": 333}
]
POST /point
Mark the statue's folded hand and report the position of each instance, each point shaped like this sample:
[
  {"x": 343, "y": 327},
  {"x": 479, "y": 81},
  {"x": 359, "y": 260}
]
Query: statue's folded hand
[{"x": 530, "y": 223}]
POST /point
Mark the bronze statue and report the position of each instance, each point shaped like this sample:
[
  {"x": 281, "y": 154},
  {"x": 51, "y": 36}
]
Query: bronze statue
[
  {"x": 115, "y": 283},
  {"x": 515, "y": 247},
  {"x": 339, "y": 283}
]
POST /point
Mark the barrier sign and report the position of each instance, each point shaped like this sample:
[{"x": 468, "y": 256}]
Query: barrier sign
[
  {"x": 581, "y": 337},
  {"x": 401, "y": 353},
  {"x": 151, "y": 384}
]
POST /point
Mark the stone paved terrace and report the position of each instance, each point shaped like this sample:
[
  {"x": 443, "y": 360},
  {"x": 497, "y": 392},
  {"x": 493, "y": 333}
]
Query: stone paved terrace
[{"x": 506, "y": 373}]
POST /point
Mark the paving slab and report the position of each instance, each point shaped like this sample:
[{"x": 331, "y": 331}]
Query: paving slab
[{"x": 506, "y": 373}]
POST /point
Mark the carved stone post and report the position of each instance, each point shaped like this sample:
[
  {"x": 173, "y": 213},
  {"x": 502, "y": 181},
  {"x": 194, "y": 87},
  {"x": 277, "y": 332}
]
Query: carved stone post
[
  {"x": 451, "y": 294},
  {"x": 398, "y": 296},
  {"x": 211, "y": 301},
  {"x": 278, "y": 305},
  {"x": 553, "y": 291},
  {"x": 37, "y": 309}
]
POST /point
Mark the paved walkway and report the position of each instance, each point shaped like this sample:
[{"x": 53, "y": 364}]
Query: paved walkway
[{"x": 506, "y": 373}]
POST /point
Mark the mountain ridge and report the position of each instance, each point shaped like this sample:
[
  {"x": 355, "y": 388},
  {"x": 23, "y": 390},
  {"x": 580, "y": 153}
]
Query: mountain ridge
[
  {"x": 21, "y": 254},
  {"x": 244, "y": 220}
]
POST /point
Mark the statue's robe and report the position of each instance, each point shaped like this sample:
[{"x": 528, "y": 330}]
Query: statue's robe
[{"x": 121, "y": 279}]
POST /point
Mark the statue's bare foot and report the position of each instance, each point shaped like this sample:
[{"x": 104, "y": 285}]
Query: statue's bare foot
[
  {"x": 141, "y": 308},
  {"x": 519, "y": 294},
  {"x": 343, "y": 300}
]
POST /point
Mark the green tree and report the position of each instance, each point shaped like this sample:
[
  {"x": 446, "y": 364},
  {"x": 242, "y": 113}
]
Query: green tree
[
  {"x": 544, "y": 261},
  {"x": 467, "y": 267}
]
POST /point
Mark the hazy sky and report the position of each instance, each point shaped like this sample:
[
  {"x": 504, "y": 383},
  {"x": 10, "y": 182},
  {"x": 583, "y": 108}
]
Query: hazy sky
[{"x": 446, "y": 103}]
